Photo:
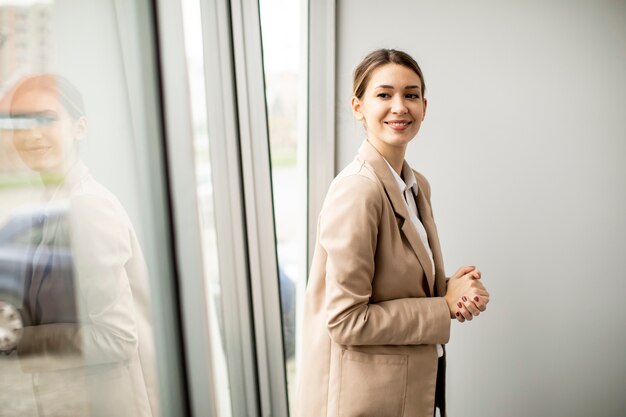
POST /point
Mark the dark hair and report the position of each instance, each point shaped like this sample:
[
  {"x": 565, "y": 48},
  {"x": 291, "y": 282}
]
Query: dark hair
[
  {"x": 378, "y": 58},
  {"x": 67, "y": 94}
]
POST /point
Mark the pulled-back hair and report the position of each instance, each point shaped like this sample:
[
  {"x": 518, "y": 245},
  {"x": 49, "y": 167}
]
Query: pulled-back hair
[
  {"x": 378, "y": 58},
  {"x": 63, "y": 89}
]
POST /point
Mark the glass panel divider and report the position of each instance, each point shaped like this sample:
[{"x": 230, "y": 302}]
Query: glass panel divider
[
  {"x": 257, "y": 186},
  {"x": 187, "y": 239}
]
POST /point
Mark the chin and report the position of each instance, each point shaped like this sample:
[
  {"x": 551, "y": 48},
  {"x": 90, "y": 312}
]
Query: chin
[
  {"x": 42, "y": 166},
  {"x": 400, "y": 141}
]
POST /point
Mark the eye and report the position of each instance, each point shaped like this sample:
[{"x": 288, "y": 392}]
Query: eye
[
  {"x": 47, "y": 119},
  {"x": 383, "y": 95},
  {"x": 413, "y": 96}
]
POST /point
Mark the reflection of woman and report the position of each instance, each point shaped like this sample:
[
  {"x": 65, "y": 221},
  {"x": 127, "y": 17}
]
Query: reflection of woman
[
  {"x": 378, "y": 306},
  {"x": 89, "y": 345}
]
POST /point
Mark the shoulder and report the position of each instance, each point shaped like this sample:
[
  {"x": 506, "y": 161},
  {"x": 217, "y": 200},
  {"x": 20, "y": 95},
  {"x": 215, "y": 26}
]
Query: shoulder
[
  {"x": 356, "y": 184},
  {"x": 358, "y": 177},
  {"x": 90, "y": 201}
]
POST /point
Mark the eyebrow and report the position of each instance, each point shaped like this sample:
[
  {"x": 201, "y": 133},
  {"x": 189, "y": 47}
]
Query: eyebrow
[
  {"x": 32, "y": 115},
  {"x": 408, "y": 87}
]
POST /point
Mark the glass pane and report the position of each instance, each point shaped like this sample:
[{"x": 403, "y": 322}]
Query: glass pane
[
  {"x": 78, "y": 255},
  {"x": 284, "y": 52},
  {"x": 204, "y": 191}
]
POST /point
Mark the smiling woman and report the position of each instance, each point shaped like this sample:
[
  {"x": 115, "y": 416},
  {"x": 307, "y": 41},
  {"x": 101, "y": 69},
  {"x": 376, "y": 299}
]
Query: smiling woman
[
  {"x": 49, "y": 143},
  {"x": 391, "y": 113},
  {"x": 378, "y": 305},
  {"x": 82, "y": 275}
]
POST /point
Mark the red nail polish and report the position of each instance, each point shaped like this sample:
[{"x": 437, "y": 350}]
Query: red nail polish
[
  {"x": 464, "y": 298},
  {"x": 458, "y": 314},
  {"x": 476, "y": 299},
  {"x": 459, "y": 304}
]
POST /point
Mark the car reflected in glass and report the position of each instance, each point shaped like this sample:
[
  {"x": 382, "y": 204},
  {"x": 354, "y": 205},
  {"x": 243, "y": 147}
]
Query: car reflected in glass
[{"x": 29, "y": 241}]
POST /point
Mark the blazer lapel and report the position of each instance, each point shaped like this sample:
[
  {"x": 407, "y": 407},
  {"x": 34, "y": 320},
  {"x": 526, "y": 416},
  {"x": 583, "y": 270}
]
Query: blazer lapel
[
  {"x": 38, "y": 260},
  {"x": 370, "y": 155},
  {"x": 422, "y": 255},
  {"x": 426, "y": 216}
]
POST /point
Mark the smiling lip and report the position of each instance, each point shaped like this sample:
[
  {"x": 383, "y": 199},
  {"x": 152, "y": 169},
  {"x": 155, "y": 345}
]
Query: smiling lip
[
  {"x": 398, "y": 125},
  {"x": 40, "y": 149}
]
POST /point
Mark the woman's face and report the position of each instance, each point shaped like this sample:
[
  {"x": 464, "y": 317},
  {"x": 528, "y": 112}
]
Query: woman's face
[
  {"x": 48, "y": 142},
  {"x": 392, "y": 107}
]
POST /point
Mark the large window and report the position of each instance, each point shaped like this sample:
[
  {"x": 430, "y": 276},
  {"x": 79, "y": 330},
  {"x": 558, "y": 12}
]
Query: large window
[
  {"x": 152, "y": 235},
  {"x": 86, "y": 311}
]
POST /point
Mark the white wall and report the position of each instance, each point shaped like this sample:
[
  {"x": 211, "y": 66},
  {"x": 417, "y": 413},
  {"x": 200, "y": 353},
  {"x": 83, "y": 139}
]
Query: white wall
[{"x": 524, "y": 144}]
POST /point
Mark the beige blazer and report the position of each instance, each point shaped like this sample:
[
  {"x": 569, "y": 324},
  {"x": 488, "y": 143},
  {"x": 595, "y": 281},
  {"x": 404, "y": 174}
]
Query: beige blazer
[
  {"x": 373, "y": 310},
  {"x": 100, "y": 359}
]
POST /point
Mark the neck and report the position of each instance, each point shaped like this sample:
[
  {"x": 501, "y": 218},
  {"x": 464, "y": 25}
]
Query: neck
[
  {"x": 394, "y": 155},
  {"x": 57, "y": 175}
]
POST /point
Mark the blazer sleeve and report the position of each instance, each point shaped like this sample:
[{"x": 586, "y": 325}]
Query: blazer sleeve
[{"x": 348, "y": 233}]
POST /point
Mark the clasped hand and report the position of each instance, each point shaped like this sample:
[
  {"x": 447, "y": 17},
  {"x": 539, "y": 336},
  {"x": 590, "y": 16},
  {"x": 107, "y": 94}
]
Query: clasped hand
[{"x": 466, "y": 296}]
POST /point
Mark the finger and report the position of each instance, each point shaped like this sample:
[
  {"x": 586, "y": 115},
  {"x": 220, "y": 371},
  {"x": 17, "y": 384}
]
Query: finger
[
  {"x": 479, "y": 288},
  {"x": 470, "y": 306},
  {"x": 476, "y": 289},
  {"x": 480, "y": 302},
  {"x": 477, "y": 285},
  {"x": 473, "y": 274},
  {"x": 464, "y": 311},
  {"x": 459, "y": 317},
  {"x": 480, "y": 306},
  {"x": 481, "y": 297},
  {"x": 463, "y": 270}
]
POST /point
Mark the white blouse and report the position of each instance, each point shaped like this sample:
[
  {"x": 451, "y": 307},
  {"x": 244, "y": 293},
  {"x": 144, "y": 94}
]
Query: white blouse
[{"x": 410, "y": 189}]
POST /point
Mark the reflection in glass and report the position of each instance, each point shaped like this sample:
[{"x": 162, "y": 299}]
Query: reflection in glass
[{"x": 72, "y": 267}]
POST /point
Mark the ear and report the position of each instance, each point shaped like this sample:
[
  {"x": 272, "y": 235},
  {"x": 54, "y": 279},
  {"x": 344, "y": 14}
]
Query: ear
[
  {"x": 80, "y": 128},
  {"x": 356, "y": 108},
  {"x": 425, "y": 106}
]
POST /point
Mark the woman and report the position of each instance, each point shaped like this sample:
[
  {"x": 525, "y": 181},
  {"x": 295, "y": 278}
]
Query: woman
[
  {"x": 88, "y": 340},
  {"x": 378, "y": 306}
]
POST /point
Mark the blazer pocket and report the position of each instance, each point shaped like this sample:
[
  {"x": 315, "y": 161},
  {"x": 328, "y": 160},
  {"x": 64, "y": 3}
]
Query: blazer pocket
[{"x": 372, "y": 385}]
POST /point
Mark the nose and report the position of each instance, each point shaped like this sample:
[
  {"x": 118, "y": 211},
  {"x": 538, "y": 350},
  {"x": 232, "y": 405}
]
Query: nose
[
  {"x": 28, "y": 135},
  {"x": 398, "y": 106}
]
